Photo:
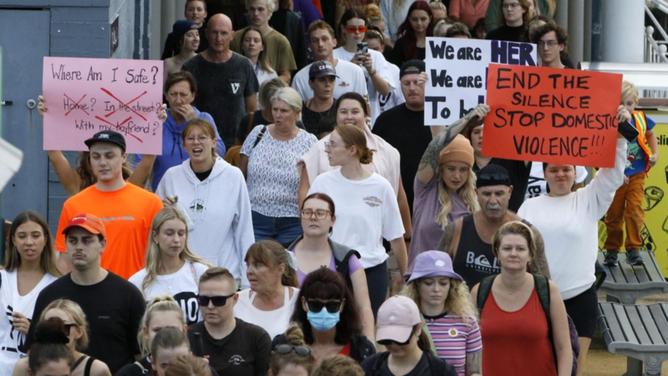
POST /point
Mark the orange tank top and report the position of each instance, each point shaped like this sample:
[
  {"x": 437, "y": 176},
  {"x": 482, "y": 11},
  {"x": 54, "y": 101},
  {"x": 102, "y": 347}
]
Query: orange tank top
[{"x": 516, "y": 343}]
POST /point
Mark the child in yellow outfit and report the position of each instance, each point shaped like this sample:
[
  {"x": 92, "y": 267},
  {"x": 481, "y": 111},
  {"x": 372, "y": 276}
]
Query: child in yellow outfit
[{"x": 626, "y": 208}]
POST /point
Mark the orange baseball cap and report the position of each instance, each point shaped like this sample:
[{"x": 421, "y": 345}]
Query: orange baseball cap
[{"x": 87, "y": 222}]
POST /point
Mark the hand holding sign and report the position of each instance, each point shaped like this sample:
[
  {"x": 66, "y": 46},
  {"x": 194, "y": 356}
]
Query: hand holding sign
[
  {"x": 552, "y": 115},
  {"x": 85, "y": 96}
]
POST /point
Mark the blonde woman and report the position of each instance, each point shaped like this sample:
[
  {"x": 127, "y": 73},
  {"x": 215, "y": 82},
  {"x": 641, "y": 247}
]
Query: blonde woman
[
  {"x": 161, "y": 312},
  {"x": 445, "y": 304},
  {"x": 444, "y": 184},
  {"x": 171, "y": 269},
  {"x": 75, "y": 327}
]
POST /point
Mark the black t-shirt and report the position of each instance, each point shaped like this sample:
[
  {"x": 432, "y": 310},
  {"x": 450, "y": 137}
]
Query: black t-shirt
[
  {"x": 510, "y": 33},
  {"x": 404, "y": 129},
  {"x": 400, "y": 53},
  {"x": 113, "y": 308},
  {"x": 244, "y": 352},
  {"x": 428, "y": 365},
  {"x": 518, "y": 171},
  {"x": 172, "y": 44},
  {"x": 222, "y": 91},
  {"x": 319, "y": 123},
  {"x": 139, "y": 368}
]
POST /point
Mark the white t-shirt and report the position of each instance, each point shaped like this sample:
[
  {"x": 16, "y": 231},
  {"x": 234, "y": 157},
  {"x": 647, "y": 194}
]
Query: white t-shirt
[
  {"x": 181, "y": 285},
  {"x": 383, "y": 69},
  {"x": 350, "y": 77},
  {"x": 366, "y": 213},
  {"x": 274, "y": 322},
  {"x": 11, "y": 301},
  {"x": 538, "y": 186}
]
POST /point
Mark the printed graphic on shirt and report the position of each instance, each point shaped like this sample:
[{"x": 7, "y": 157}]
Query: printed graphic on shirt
[
  {"x": 188, "y": 302},
  {"x": 481, "y": 263},
  {"x": 17, "y": 337},
  {"x": 236, "y": 360},
  {"x": 373, "y": 201}
]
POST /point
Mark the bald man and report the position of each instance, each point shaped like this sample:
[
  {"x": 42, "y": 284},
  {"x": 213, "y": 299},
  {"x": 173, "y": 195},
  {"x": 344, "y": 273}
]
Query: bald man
[{"x": 226, "y": 80}]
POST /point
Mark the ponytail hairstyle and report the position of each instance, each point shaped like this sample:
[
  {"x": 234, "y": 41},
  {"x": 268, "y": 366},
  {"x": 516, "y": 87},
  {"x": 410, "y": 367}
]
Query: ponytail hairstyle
[
  {"x": 50, "y": 345},
  {"x": 353, "y": 136},
  {"x": 157, "y": 304}
]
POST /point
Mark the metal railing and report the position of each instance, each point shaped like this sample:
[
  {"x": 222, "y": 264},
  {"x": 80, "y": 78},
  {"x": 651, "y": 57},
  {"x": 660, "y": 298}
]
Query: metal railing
[{"x": 656, "y": 50}]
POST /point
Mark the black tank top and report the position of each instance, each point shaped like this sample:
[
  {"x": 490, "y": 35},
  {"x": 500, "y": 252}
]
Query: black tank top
[{"x": 474, "y": 259}]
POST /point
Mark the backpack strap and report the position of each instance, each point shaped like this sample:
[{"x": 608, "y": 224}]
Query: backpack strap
[
  {"x": 543, "y": 290},
  {"x": 484, "y": 288},
  {"x": 88, "y": 366},
  {"x": 259, "y": 136}
]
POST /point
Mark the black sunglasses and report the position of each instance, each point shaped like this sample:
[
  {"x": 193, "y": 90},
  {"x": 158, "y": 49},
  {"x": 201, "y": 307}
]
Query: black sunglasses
[
  {"x": 332, "y": 306},
  {"x": 217, "y": 301},
  {"x": 286, "y": 348},
  {"x": 386, "y": 342}
]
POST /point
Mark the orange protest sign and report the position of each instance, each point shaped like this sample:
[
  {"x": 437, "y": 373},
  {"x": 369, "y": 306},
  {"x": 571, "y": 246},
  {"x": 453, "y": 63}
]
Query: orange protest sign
[{"x": 560, "y": 116}]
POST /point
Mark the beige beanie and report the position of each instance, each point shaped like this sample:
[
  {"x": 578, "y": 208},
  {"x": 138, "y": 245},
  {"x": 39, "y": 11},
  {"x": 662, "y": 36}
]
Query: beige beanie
[{"x": 458, "y": 150}]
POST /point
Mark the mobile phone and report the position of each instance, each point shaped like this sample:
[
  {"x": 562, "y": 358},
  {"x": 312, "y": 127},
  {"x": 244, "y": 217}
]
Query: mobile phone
[
  {"x": 627, "y": 130},
  {"x": 363, "y": 47}
]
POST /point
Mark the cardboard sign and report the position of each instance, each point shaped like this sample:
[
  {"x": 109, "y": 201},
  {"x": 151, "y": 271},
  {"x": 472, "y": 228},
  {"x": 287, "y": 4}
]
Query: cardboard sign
[
  {"x": 562, "y": 116},
  {"x": 457, "y": 70},
  {"x": 85, "y": 96}
]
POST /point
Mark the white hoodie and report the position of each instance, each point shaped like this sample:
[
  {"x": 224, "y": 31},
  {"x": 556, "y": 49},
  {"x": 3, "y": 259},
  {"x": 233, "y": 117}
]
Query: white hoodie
[{"x": 218, "y": 210}]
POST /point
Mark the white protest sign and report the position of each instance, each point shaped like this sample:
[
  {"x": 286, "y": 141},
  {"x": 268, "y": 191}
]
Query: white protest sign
[{"x": 457, "y": 70}]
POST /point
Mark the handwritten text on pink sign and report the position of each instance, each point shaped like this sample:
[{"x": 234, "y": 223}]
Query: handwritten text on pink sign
[{"x": 85, "y": 96}]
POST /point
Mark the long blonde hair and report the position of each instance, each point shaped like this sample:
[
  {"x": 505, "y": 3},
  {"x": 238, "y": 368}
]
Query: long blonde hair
[
  {"x": 153, "y": 258},
  {"x": 466, "y": 192},
  {"x": 457, "y": 303}
]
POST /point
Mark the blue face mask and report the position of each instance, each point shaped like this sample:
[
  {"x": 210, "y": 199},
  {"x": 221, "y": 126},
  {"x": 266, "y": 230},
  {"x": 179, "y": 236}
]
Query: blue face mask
[{"x": 323, "y": 320}]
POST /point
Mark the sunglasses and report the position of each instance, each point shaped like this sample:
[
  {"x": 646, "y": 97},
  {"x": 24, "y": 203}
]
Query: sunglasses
[
  {"x": 68, "y": 327},
  {"x": 286, "y": 348},
  {"x": 358, "y": 29},
  {"x": 386, "y": 342},
  {"x": 217, "y": 301},
  {"x": 332, "y": 306}
]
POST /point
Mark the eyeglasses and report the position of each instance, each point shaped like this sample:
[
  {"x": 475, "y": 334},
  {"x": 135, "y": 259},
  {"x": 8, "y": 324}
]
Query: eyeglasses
[
  {"x": 330, "y": 144},
  {"x": 217, "y": 301},
  {"x": 356, "y": 29},
  {"x": 332, "y": 306},
  {"x": 510, "y": 6},
  {"x": 200, "y": 139},
  {"x": 286, "y": 348},
  {"x": 319, "y": 213},
  {"x": 548, "y": 43}
]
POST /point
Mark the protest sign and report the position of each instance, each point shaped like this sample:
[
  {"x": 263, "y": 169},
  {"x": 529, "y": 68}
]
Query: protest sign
[
  {"x": 85, "y": 96},
  {"x": 457, "y": 71},
  {"x": 551, "y": 115}
]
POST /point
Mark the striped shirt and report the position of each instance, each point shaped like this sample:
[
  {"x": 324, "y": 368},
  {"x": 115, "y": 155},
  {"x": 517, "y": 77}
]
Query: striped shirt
[{"x": 454, "y": 337}]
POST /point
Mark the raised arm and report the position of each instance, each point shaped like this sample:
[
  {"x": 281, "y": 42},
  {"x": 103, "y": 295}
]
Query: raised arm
[{"x": 429, "y": 162}]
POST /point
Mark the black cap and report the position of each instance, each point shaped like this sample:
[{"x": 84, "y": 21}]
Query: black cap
[
  {"x": 181, "y": 27},
  {"x": 493, "y": 175},
  {"x": 108, "y": 136},
  {"x": 321, "y": 68},
  {"x": 411, "y": 67}
]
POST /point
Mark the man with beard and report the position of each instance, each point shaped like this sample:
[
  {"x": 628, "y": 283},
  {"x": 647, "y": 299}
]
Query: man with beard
[{"x": 468, "y": 240}]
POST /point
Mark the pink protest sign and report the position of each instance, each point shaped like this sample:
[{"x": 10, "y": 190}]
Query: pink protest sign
[{"x": 85, "y": 96}]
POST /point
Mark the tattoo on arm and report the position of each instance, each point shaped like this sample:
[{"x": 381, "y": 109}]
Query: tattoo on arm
[
  {"x": 444, "y": 244},
  {"x": 430, "y": 155}
]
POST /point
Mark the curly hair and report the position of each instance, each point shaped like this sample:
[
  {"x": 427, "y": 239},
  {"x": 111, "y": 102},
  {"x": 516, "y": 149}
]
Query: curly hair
[{"x": 457, "y": 303}]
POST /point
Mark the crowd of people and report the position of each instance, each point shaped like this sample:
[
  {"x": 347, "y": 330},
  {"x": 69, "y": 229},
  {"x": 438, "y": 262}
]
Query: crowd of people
[{"x": 328, "y": 231}]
